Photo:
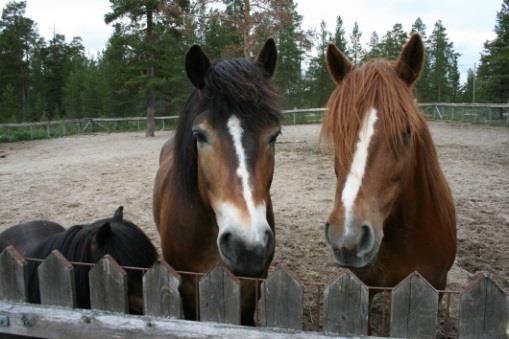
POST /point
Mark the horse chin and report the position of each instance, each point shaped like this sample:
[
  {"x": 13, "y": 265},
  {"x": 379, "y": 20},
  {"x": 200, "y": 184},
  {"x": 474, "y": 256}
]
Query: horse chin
[
  {"x": 244, "y": 270},
  {"x": 357, "y": 263}
]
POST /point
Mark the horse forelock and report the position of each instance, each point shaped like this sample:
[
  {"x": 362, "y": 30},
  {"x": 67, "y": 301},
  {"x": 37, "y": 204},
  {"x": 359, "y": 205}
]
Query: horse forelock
[
  {"x": 377, "y": 86},
  {"x": 237, "y": 86}
]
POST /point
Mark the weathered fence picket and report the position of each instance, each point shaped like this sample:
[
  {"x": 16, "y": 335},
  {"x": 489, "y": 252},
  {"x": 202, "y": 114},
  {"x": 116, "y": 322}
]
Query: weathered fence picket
[
  {"x": 220, "y": 297},
  {"x": 161, "y": 295},
  {"x": 281, "y": 301},
  {"x": 56, "y": 281},
  {"x": 483, "y": 310},
  {"x": 108, "y": 286},
  {"x": 346, "y": 306},
  {"x": 414, "y": 308},
  {"x": 13, "y": 276}
]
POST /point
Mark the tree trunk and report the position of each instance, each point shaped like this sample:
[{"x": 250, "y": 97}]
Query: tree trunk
[
  {"x": 246, "y": 29},
  {"x": 151, "y": 126}
]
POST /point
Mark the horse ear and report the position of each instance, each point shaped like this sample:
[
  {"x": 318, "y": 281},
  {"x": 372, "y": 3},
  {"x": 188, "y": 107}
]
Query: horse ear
[
  {"x": 103, "y": 234},
  {"x": 267, "y": 58},
  {"x": 411, "y": 59},
  {"x": 337, "y": 63},
  {"x": 197, "y": 64},
  {"x": 118, "y": 216}
]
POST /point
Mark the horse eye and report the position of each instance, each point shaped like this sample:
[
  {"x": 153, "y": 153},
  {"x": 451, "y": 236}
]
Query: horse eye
[
  {"x": 407, "y": 136},
  {"x": 273, "y": 138},
  {"x": 200, "y": 136}
]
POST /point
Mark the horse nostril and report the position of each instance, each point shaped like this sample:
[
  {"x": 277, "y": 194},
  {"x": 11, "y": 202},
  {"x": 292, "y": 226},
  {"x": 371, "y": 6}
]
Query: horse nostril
[
  {"x": 366, "y": 241},
  {"x": 225, "y": 239},
  {"x": 268, "y": 238}
]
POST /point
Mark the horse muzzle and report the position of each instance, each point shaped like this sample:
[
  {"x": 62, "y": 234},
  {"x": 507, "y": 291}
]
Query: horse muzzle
[
  {"x": 357, "y": 247},
  {"x": 246, "y": 259}
]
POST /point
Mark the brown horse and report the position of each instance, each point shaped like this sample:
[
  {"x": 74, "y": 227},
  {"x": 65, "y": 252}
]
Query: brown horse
[
  {"x": 393, "y": 212},
  {"x": 211, "y": 195}
]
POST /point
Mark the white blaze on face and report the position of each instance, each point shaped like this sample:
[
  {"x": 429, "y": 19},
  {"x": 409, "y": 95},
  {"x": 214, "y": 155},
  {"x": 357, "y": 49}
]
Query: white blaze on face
[
  {"x": 229, "y": 216},
  {"x": 354, "y": 180}
]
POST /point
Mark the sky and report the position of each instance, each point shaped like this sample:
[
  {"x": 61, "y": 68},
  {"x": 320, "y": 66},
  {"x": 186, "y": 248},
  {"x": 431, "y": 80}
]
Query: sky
[{"x": 469, "y": 23}]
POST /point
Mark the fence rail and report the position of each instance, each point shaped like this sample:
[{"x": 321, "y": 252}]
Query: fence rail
[
  {"x": 489, "y": 114},
  {"x": 414, "y": 304}
]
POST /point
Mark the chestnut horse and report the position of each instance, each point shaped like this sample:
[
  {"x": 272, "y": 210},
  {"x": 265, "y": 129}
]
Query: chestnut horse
[
  {"x": 393, "y": 212},
  {"x": 211, "y": 194}
]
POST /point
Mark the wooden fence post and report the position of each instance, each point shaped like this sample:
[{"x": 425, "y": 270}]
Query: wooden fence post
[
  {"x": 483, "y": 310},
  {"x": 281, "y": 301},
  {"x": 414, "y": 308},
  {"x": 108, "y": 286},
  {"x": 220, "y": 297},
  {"x": 13, "y": 276},
  {"x": 56, "y": 281},
  {"x": 161, "y": 295},
  {"x": 346, "y": 306}
]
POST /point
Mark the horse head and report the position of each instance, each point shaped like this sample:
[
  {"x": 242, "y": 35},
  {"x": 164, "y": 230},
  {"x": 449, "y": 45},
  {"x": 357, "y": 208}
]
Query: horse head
[
  {"x": 233, "y": 125},
  {"x": 372, "y": 124}
]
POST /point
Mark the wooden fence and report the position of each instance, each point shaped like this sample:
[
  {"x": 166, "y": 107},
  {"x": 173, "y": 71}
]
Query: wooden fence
[
  {"x": 489, "y": 114},
  {"x": 414, "y": 304}
]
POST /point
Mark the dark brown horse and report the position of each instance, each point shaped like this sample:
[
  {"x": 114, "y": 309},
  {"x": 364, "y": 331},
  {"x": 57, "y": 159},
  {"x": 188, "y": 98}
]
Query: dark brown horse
[
  {"x": 25, "y": 237},
  {"x": 211, "y": 195},
  {"x": 393, "y": 212},
  {"x": 88, "y": 243}
]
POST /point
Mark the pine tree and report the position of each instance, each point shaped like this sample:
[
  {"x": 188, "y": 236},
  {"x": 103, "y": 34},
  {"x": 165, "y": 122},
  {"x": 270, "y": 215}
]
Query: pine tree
[
  {"x": 123, "y": 98},
  {"x": 374, "y": 48},
  {"x": 54, "y": 65},
  {"x": 467, "y": 90},
  {"x": 320, "y": 85},
  {"x": 393, "y": 41},
  {"x": 443, "y": 74},
  {"x": 10, "y": 107},
  {"x": 339, "y": 36},
  {"x": 356, "y": 52},
  {"x": 141, "y": 14},
  {"x": 17, "y": 36},
  {"x": 493, "y": 73},
  {"x": 423, "y": 84},
  {"x": 290, "y": 41}
]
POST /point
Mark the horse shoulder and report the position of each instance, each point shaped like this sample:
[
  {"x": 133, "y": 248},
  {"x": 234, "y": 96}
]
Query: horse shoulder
[{"x": 166, "y": 150}]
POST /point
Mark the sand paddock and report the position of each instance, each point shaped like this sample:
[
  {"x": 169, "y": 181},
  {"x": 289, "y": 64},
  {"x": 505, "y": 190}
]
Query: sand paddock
[{"x": 82, "y": 178}]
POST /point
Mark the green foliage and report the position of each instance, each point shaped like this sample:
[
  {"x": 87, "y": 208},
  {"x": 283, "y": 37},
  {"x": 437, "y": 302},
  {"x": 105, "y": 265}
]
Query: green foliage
[
  {"x": 141, "y": 68},
  {"x": 319, "y": 82},
  {"x": 443, "y": 76},
  {"x": 10, "y": 104},
  {"x": 17, "y": 35},
  {"x": 392, "y": 42},
  {"x": 493, "y": 73},
  {"x": 356, "y": 52},
  {"x": 288, "y": 77}
]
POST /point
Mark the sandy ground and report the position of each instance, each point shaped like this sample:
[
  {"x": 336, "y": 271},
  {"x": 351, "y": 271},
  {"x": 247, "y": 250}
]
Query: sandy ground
[{"x": 79, "y": 179}]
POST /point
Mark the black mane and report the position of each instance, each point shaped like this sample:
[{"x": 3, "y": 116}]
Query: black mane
[
  {"x": 233, "y": 86},
  {"x": 128, "y": 245}
]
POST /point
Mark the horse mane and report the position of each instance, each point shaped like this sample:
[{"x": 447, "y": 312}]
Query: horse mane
[
  {"x": 232, "y": 86},
  {"x": 128, "y": 245},
  {"x": 374, "y": 85}
]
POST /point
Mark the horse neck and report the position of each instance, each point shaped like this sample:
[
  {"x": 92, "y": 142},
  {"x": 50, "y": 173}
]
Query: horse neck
[{"x": 425, "y": 197}]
